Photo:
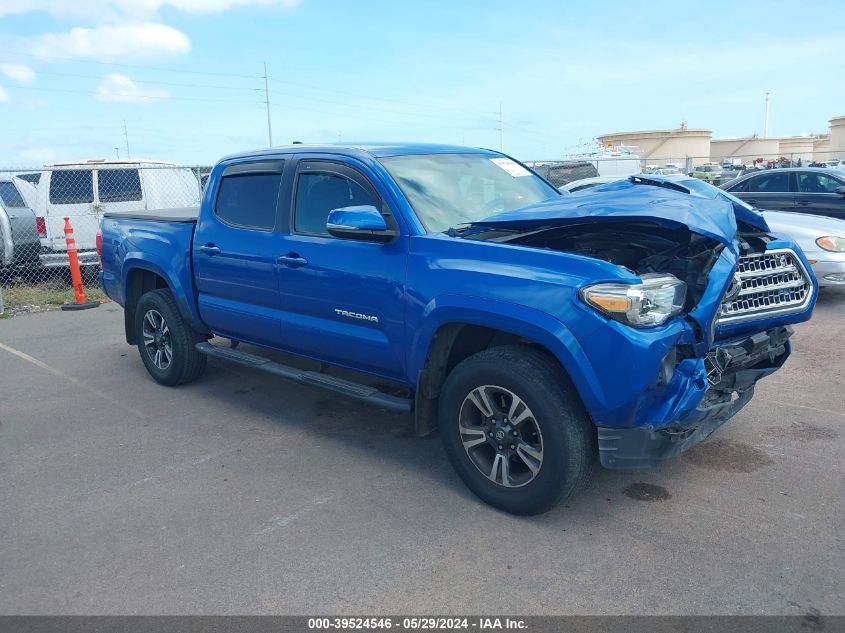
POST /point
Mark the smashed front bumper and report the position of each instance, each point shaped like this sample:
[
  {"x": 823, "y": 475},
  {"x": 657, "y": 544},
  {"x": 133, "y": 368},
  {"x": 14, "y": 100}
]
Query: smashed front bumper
[{"x": 733, "y": 367}]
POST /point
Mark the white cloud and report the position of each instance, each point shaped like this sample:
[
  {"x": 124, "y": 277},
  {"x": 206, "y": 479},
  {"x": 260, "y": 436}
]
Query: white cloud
[
  {"x": 110, "y": 10},
  {"x": 3, "y": 95},
  {"x": 18, "y": 72},
  {"x": 125, "y": 41},
  {"x": 121, "y": 89}
]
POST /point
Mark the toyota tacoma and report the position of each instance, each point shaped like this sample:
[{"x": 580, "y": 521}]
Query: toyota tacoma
[{"x": 537, "y": 333}]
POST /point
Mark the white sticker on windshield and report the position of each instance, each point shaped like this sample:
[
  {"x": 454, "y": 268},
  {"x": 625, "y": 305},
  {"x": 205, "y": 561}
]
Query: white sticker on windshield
[{"x": 512, "y": 167}]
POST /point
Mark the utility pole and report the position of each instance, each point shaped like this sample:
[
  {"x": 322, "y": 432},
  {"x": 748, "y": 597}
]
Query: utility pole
[
  {"x": 501, "y": 129},
  {"x": 117, "y": 152},
  {"x": 267, "y": 103},
  {"x": 766, "y": 120},
  {"x": 126, "y": 138}
]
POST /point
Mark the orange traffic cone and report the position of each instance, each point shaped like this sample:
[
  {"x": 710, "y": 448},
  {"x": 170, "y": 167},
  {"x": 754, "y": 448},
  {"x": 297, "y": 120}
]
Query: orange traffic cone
[{"x": 75, "y": 273}]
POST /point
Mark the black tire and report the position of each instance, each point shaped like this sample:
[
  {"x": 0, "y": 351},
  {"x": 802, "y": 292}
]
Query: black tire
[
  {"x": 185, "y": 362},
  {"x": 559, "y": 425}
]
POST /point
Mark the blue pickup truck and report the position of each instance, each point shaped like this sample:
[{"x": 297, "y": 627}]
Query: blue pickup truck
[{"x": 536, "y": 333}]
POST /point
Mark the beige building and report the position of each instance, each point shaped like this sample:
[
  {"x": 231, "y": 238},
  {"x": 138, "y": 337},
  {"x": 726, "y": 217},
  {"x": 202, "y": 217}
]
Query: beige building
[
  {"x": 797, "y": 147},
  {"x": 657, "y": 147},
  {"x": 747, "y": 148},
  {"x": 821, "y": 147},
  {"x": 690, "y": 147},
  {"x": 837, "y": 137}
]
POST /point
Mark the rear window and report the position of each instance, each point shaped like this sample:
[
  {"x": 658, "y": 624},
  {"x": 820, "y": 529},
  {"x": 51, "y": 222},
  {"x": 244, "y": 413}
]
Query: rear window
[
  {"x": 118, "y": 185},
  {"x": 34, "y": 177},
  {"x": 10, "y": 196},
  {"x": 775, "y": 182},
  {"x": 72, "y": 186},
  {"x": 249, "y": 200}
]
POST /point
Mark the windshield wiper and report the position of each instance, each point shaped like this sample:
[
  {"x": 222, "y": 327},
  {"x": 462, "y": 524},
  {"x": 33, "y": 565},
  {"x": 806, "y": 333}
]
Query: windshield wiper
[{"x": 456, "y": 231}]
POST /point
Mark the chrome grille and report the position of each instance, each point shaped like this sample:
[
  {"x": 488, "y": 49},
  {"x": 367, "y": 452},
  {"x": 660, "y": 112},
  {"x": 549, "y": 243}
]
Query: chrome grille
[{"x": 766, "y": 284}]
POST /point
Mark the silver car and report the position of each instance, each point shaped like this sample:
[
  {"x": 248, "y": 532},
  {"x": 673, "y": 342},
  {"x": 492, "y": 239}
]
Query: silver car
[
  {"x": 19, "y": 240},
  {"x": 821, "y": 238}
]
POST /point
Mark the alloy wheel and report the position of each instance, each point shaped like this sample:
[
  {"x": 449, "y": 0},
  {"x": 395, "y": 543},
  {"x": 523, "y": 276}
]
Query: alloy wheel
[
  {"x": 157, "y": 339},
  {"x": 501, "y": 436}
]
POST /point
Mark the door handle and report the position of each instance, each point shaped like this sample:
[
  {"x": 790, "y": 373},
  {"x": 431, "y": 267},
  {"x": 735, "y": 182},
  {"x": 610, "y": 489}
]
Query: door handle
[
  {"x": 803, "y": 203},
  {"x": 210, "y": 249},
  {"x": 292, "y": 260},
  {"x": 751, "y": 201}
]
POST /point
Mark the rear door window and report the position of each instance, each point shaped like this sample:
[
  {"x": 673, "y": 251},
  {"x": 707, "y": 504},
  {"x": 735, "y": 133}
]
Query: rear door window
[
  {"x": 10, "y": 196},
  {"x": 249, "y": 200},
  {"x": 812, "y": 182},
  {"x": 118, "y": 185},
  {"x": 777, "y": 182},
  {"x": 72, "y": 186}
]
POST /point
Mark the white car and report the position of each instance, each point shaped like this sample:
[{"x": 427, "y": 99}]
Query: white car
[
  {"x": 589, "y": 183},
  {"x": 821, "y": 238},
  {"x": 85, "y": 190}
]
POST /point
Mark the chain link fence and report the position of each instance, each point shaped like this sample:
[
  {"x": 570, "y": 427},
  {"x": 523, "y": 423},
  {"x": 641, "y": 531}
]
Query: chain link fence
[{"x": 34, "y": 205}]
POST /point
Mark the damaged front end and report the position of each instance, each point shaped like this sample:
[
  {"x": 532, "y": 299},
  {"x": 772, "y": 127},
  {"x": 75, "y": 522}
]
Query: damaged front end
[
  {"x": 731, "y": 370},
  {"x": 690, "y": 370}
]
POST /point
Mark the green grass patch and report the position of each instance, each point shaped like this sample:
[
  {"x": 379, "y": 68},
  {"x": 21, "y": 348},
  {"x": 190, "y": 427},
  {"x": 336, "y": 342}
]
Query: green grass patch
[{"x": 22, "y": 297}]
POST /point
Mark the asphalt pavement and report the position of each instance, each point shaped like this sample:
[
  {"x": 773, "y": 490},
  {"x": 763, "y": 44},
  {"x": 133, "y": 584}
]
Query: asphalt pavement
[{"x": 243, "y": 494}]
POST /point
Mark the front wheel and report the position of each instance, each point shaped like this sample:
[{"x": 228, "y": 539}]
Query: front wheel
[
  {"x": 165, "y": 341},
  {"x": 515, "y": 430}
]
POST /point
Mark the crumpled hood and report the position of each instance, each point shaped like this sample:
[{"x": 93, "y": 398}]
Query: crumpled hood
[{"x": 665, "y": 202}]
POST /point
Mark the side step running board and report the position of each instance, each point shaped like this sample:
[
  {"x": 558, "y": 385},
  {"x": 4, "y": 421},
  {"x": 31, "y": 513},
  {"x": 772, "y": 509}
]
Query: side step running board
[{"x": 347, "y": 388}]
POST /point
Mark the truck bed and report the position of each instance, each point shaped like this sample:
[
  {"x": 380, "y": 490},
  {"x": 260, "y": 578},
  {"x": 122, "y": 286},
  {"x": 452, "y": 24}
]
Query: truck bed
[{"x": 182, "y": 214}]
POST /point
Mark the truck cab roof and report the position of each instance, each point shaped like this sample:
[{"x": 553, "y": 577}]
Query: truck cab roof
[
  {"x": 94, "y": 163},
  {"x": 377, "y": 150}
]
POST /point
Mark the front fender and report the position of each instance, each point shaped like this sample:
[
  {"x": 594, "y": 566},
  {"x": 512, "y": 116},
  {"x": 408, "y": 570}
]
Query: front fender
[{"x": 530, "y": 323}]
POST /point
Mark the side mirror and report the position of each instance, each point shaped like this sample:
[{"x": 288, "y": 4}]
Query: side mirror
[
  {"x": 364, "y": 223},
  {"x": 840, "y": 191}
]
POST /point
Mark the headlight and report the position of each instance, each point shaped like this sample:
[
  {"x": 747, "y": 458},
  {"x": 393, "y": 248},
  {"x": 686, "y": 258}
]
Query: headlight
[
  {"x": 653, "y": 302},
  {"x": 832, "y": 243}
]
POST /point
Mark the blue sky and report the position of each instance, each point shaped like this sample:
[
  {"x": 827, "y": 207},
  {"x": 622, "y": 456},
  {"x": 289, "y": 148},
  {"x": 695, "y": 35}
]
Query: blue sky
[{"x": 185, "y": 75}]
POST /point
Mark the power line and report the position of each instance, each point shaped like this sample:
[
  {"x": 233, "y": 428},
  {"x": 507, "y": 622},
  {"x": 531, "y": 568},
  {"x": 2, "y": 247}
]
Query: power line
[
  {"x": 136, "y": 96},
  {"x": 361, "y": 96},
  {"x": 366, "y": 118},
  {"x": 157, "y": 68},
  {"x": 431, "y": 115},
  {"x": 377, "y": 109},
  {"x": 155, "y": 83}
]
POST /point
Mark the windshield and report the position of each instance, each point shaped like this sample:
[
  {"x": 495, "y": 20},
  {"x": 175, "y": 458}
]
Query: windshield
[
  {"x": 9, "y": 195},
  {"x": 446, "y": 190}
]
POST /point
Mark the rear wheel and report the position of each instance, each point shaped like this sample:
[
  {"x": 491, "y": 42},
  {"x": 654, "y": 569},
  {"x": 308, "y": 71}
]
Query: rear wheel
[
  {"x": 165, "y": 341},
  {"x": 514, "y": 429}
]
